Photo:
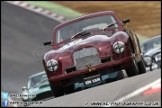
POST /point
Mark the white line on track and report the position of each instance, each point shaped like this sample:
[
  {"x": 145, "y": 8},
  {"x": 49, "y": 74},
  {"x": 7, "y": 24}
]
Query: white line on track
[{"x": 136, "y": 92}]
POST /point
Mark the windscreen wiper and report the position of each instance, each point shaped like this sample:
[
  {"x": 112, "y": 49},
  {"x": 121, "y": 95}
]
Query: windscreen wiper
[
  {"x": 110, "y": 25},
  {"x": 82, "y": 33}
]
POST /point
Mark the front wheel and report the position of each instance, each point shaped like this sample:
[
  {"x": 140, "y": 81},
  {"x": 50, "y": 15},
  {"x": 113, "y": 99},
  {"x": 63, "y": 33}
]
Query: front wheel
[
  {"x": 141, "y": 67},
  {"x": 133, "y": 69},
  {"x": 57, "y": 91},
  {"x": 159, "y": 65},
  {"x": 69, "y": 89}
]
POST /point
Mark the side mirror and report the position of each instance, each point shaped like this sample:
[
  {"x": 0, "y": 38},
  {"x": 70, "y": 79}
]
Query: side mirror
[
  {"x": 47, "y": 43},
  {"x": 126, "y": 20},
  {"x": 24, "y": 88}
]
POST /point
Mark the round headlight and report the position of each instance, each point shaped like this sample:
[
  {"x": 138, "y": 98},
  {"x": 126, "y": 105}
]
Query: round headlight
[
  {"x": 118, "y": 47},
  {"x": 148, "y": 60},
  {"x": 52, "y": 65},
  {"x": 24, "y": 96}
]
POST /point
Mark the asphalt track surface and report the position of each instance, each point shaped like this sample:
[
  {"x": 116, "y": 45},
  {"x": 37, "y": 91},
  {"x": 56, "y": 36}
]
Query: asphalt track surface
[
  {"x": 23, "y": 33},
  {"x": 111, "y": 92},
  {"x": 22, "y": 36}
]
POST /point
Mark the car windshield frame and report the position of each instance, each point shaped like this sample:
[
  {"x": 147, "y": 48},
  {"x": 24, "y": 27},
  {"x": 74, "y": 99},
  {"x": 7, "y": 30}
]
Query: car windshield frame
[{"x": 99, "y": 22}]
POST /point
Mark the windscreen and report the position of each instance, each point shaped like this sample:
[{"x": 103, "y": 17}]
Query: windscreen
[{"x": 97, "y": 22}]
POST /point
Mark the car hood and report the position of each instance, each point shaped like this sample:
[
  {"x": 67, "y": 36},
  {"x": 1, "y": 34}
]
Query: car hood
[
  {"x": 93, "y": 40},
  {"x": 151, "y": 52},
  {"x": 100, "y": 42}
]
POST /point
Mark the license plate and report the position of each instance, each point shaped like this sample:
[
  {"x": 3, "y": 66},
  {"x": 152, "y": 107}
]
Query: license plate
[{"x": 92, "y": 80}]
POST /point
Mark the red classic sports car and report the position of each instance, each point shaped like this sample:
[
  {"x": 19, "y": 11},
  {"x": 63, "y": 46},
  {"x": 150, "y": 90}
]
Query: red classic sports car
[{"x": 88, "y": 48}]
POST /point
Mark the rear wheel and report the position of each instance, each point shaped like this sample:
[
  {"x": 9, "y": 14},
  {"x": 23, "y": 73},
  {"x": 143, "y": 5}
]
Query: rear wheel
[
  {"x": 133, "y": 69},
  {"x": 153, "y": 62}
]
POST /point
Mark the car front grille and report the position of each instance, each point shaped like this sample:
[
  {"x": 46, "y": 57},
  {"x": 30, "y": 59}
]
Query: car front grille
[
  {"x": 43, "y": 95},
  {"x": 86, "y": 57}
]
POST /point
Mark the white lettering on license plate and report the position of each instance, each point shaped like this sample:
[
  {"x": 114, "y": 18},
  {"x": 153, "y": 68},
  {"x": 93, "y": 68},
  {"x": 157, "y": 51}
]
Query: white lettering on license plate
[{"x": 91, "y": 81}]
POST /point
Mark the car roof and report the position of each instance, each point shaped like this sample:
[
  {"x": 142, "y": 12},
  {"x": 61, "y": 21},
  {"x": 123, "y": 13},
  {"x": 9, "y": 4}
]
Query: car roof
[
  {"x": 146, "y": 41},
  {"x": 86, "y": 16},
  {"x": 37, "y": 74}
]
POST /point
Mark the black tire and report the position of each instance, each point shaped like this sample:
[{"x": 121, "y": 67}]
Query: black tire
[
  {"x": 153, "y": 61},
  {"x": 57, "y": 91},
  {"x": 159, "y": 65},
  {"x": 133, "y": 69},
  {"x": 69, "y": 89},
  {"x": 141, "y": 67},
  {"x": 151, "y": 68}
]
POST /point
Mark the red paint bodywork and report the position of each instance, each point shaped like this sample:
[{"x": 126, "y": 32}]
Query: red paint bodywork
[{"x": 102, "y": 40}]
